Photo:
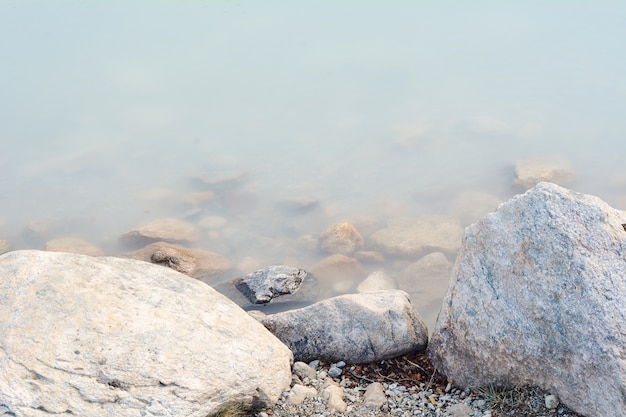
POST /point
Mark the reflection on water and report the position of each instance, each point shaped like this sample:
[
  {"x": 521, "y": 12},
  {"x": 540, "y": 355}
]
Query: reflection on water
[{"x": 264, "y": 125}]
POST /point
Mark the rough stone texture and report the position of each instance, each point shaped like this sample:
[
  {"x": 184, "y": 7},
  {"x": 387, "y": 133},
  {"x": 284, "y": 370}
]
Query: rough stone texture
[
  {"x": 260, "y": 287},
  {"x": 415, "y": 237},
  {"x": 89, "y": 336},
  {"x": 283, "y": 287},
  {"x": 538, "y": 297},
  {"x": 73, "y": 245},
  {"x": 168, "y": 230},
  {"x": 530, "y": 172},
  {"x": 374, "y": 396},
  {"x": 197, "y": 263},
  {"x": 355, "y": 328},
  {"x": 341, "y": 238}
]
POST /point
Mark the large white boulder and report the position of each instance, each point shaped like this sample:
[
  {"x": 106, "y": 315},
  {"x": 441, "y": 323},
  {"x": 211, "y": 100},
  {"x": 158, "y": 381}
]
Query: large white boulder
[
  {"x": 538, "y": 296},
  {"x": 99, "y": 337}
]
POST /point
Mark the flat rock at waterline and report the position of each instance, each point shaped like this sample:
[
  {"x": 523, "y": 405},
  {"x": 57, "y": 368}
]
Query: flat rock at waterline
[
  {"x": 538, "y": 297},
  {"x": 197, "y": 263},
  {"x": 416, "y": 237},
  {"x": 167, "y": 229},
  {"x": 94, "y": 337},
  {"x": 275, "y": 284},
  {"x": 355, "y": 328}
]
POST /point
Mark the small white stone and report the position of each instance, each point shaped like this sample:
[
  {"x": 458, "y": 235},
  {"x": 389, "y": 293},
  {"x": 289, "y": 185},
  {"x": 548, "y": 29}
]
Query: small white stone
[{"x": 552, "y": 401}]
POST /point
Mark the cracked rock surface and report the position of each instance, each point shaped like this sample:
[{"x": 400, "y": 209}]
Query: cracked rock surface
[{"x": 107, "y": 336}]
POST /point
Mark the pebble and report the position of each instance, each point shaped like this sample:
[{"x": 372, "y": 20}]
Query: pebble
[{"x": 334, "y": 372}]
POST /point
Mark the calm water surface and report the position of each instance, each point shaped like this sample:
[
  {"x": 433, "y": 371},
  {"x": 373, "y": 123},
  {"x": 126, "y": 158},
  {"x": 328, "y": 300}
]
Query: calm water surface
[{"x": 377, "y": 109}]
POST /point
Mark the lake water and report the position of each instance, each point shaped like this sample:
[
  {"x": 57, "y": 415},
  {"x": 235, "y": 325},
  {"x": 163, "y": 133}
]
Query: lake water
[{"x": 376, "y": 109}]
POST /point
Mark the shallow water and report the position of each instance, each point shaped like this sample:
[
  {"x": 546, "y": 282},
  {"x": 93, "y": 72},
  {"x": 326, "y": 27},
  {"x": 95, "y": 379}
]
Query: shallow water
[{"x": 110, "y": 109}]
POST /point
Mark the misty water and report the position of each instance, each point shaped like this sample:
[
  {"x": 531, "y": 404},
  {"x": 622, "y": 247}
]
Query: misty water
[{"x": 367, "y": 110}]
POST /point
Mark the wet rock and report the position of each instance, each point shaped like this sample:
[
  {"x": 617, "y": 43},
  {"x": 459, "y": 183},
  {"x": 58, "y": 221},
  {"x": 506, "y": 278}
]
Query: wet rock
[
  {"x": 341, "y": 238},
  {"x": 283, "y": 286},
  {"x": 118, "y": 337},
  {"x": 73, "y": 245},
  {"x": 369, "y": 256},
  {"x": 538, "y": 297},
  {"x": 196, "y": 263},
  {"x": 530, "y": 172},
  {"x": 4, "y": 246},
  {"x": 470, "y": 206},
  {"x": 338, "y": 268},
  {"x": 426, "y": 281},
  {"x": 377, "y": 281},
  {"x": 168, "y": 230},
  {"x": 261, "y": 286},
  {"x": 415, "y": 237},
  {"x": 356, "y": 328}
]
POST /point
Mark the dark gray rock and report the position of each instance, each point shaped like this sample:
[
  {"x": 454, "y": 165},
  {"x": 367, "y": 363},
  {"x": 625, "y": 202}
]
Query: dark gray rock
[
  {"x": 538, "y": 297},
  {"x": 262, "y": 286}
]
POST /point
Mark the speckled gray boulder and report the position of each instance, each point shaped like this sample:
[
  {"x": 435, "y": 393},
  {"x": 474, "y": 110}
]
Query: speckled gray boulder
[{"x": 538, "y": 297}]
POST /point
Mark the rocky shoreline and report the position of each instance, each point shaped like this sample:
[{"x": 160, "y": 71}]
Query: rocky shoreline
[{"x": 405, "y": 386}]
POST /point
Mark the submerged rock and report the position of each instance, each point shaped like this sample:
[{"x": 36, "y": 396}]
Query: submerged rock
[
  {"x": 168, "y": 230},
  {"x": 73, "y": 245},
  {"x": 341, "y": 238},
  {"x": 197, "y": 263},
  {"x": 538, "y": 297},
  {"x": 96, "y": 337},
  {"x": 416, "y": 237},
  {"x": 530, "y": 172},
  {"x": 355, "y": 328}
]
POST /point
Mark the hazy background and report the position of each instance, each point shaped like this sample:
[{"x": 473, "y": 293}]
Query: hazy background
[{"x": 372, "y": 108}]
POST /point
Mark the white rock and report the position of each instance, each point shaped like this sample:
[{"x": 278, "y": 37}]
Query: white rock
[
  {"x": 299, "y": 393},
  {"x": 333, "y": 394},
  {"x": 552, "y": 401},
  {"x": 538, "y": 297},
  {"x": 374, "y": 396},
  {"x": 118, "y": 337}
]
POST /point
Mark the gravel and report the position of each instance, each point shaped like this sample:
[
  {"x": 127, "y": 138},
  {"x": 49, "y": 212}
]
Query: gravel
[{"x": 410, "y": 387}]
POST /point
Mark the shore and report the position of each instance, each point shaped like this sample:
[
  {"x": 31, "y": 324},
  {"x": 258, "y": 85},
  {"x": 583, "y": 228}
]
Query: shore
[{"x": 411, "y": 387}]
